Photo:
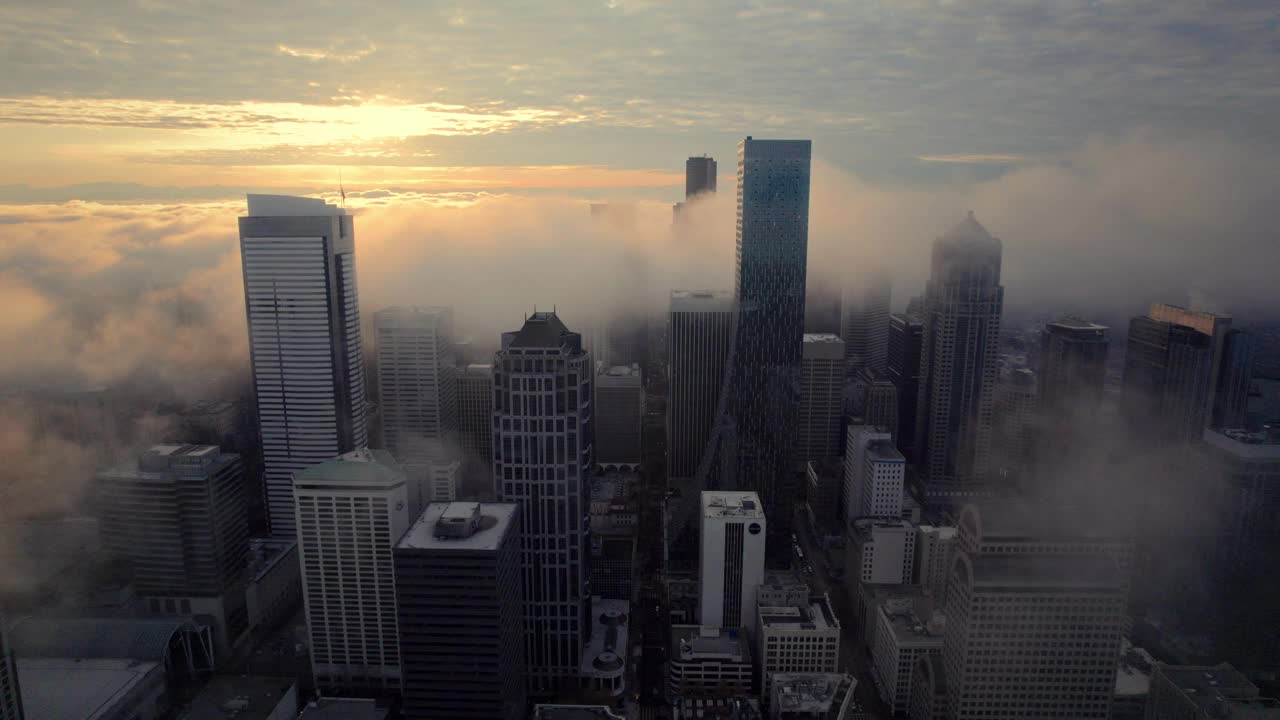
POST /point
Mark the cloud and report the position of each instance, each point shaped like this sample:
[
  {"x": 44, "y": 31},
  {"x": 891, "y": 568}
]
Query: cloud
[
  {"x": 326, "y": 54},
  {"x": 972, "y": 158}
]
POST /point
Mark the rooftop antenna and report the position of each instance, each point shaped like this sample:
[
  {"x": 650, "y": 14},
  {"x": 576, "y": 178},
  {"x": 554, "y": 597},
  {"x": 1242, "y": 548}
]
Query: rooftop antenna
[{"x": 342, "y": 191}]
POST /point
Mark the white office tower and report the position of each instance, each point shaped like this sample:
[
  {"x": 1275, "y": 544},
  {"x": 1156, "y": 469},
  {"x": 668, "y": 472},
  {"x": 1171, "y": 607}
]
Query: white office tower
[
  {"x": 731, "y": 558},
  {"x": 619, "y": 411},
  {"x": 298, "y": 257},
  {"x": 821, "y": 397},
  {"x": 351, "y": 511},
  {"x": 874, "y": 474},
  {"x": 864, "y": 323},
  {"x": 542, "y": 444},
  {"x": 416, "y": 396},
  {"x": 1032, "y": 636},
  {"x": 881, "y": 552},
  {"x": 802, "y": 638}
]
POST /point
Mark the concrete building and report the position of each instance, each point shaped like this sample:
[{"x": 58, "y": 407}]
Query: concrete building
[
  {"x": 905, "y": 632},
  {"x": 274, "y": 588},
  {"x": 543, "y": 445},
  {"x": 699, "y": 176},
  {"x": 1187, "y": 692},
  {"x": 881, "y": 552},
  {"x": 821, "y": 397},
  {"x": 244, "y": 697},
  {"x": 460, "y": 610},
  {"x": 351, "y": 510},
  {"x": 416, "y": 395},
  {"x": 709, "y": 662},
  {"x": 731, "y": 558},
  {"x": 474, "y": 385},
  {"x": 874, "y": 474},
  {"x": 797, "y": 639},
  {"x": 961, "y": 339},
  {"x": 935, "y": 550},
  {"x": 772, "y": 256},
  {"x": 619, "y": 410},
  {"x": 1003, "y": 650},
  {"x": 906, "y": 337},
  {"x": 298, "y": 257},
  {"x": 812, "y": 696},
  {"x": 864, "y": 323},
  {"x": 605, "y": 656},
  {"x": 178, "y": 518}
]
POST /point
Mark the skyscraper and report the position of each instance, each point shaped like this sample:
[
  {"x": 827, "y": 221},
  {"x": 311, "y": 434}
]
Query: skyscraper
[
  {"x": 298, "y": 257},
  {"x": 1073, "y": 365},
  {"x": 772, "y": 252},
  {"x": 821, "y": 397},
  {"x": 1167, "y": 375},
  {"x": 879, "y": 469},
  {"x": 177, "y": 518},
  {"x": 700, "y": 326},
  {"x": 416, "y": 394},
  {"x": 543, "y": 441},
  {"x": 906, "y": 335},
  {"x": 699, "y": 176},
  {"x": 474, "y": 386},
  {"x": 351, "y": 510},
  {"x": 1016, "y": 426},
  {"x": 619, "y": 412},
  {"x": 732, "y": 558},
  {"x": 1235, "y": 373},
  {"x": 864, "y": 323},
  {"x": 961, "y": 339},
  {"x": 1215, "y": 326},
  {"x": 460, "y": 605}
]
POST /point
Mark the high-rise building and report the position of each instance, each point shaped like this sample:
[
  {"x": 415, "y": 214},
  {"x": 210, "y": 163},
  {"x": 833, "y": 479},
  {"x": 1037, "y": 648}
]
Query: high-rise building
[
  {"x": 1073, "y": 365},
  {"x": 874, "y": 475},
  {"x": 771, "y": 258},
  {"x": 1004, "y": 654},
  {"x": 700, "y": 326},
  {"x": 298, "y": 257},
  {"x": 797, "y": 639},
  {"x": 864, "y": 323},
  {"x": 460, "y": 609},
  {"x": 1235, "y": 373},
  {"x": 1214, "y": 325},
  {"x": 699, "y": 176},
  {"x": 905, "y": 631},
  {"x": 906, "y": 335},
  {"x": 416, "y": 396},
  {"x": 1016, "y": 426},
  {"x": 10, "y": 696},
  {"x": 543, "y": 440},
  {"x": 821, "y": 397},
  {"x": 351, "y": 511},
  {"x": 881, "y": 410},
  {"x": 935, "y": 550},
  {"x": 961, "y": 341},
  {"x": 1200, "y": 692},
  {"x": 619, "y": 411},
  {"x": 732, "y": 558},
  {"x": 177, "y": 518},
  {"x": 474, "y": 385},
  {"x": 1167, "y": 379}
]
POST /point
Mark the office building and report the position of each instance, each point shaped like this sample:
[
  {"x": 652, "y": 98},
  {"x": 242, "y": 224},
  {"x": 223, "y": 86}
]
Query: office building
[
  {"x": 177, "y": 518},
  {"x": 874, "y": 474},
  {"x": 351, "y": 510},
  {"x": 881, "y": 408},
  {"x": 436, "y": 479},
  {"x": 797, "y": 639},
  {"x": 771, "y": 257},
  {"x": 543, "y": 441},
  {"x": 699, "y": 176},
  {"x": 961, "y": 340},
  {"x": 416, "y": 397},
  {"x": 812, "y": 696},
  {"x": 1073, "y": 366},
  {"x": 700, "y": 326},
  {"x": 928, "y": 689},
  {"x": 731, "y": 557},
  {"x": 298, "y": 257},
  {"x": 1191, "y": 692},
  {"x": 1167, "y": 380},
  {"x": 1003, "y": 650},
  {"x": 821, "y": 397},
  {"x": 935, "y": 551},
  {"x": 1214, "y": 325},
  {"x": 1016, "y": 427},
  {"x": 881, "y": 552},
  {"x": 905, "y": 340},
  {"x": 460, "y": 611},
  {"x": 1235, "y": 375},
  {"x": 474, "y": 384},
  {"x": 864, "y": 324},
  {"x": 823, "y": 499},
  {"x": 905, "y": 631},
  {"x": 619, "y": 410},
  {"x": 709, "y": 662},
  {"x": 274, "y": 589}
]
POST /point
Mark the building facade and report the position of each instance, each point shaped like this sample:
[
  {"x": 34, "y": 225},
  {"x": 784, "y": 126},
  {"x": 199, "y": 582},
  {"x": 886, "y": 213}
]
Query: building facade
[
  {"x": 298, "y": 260},
  {"x": 864, "y": 324},
  {"x": 906, "y": 337},
  {"x": 699, "y": 176},
  {"x": 797, "y": 639},
  {"x": 1073, "y": 366},
  {"x": 619, "y": 410},
  {"x": 731, "y": 557},
  {"x": 873, "y": 468},
  {"x": 543, "y": 443},
  {"x": 417, "y": 400},
  {"x": 961, "y": 339},
  {"x": 474, "y": 384},
  {"x": 351, "y": 510},
  {"x": 460, "y": 613},
  {"x": 709, "y": 662},
  {"x": 1168, "y": 371},
  {"x": 821, "y": 397},
  {"x": 905, "y": 632}
]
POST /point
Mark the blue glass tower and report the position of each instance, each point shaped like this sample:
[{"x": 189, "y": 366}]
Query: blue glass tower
[{"x": 772, "y": 250}]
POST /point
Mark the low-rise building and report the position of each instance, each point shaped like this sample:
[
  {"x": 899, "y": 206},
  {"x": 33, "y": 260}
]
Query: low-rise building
[
  {"x": 797, "y": 639},
  {"x": 344, "y": 709},
  {"x": 782, "y": 588},
  {"x": 244, "y": 697},
  {"x": 604, "y": 659},
  {"x": 708, "y": 662},
  {"x": 812, "y": 696},
  {"x": 905, "y": 630},
  {"x": 741, "y": 707}
]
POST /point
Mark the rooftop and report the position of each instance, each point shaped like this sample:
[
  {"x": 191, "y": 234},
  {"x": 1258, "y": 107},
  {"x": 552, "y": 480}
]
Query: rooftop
[
  {"x": 605, "y": 654},
  {"x": 264, "y": 553},
  {"x": 914, "y": 621},
  {"x": 731, "y": 504},
  {"x": 1245, "y": 445},
  {"x": 1075, "y": 323},
  {"x": 1013, "y": 520},
  {"x": 1133, "y": 674},
  {"x": 96, "y": 637},
  {"x": 621, "y": 371},
  {"x": 1033, "y": 572},
  {"x": 574, "y": 712},
  {"x": 701, "y": 300},
  {"x": 694, "y": 642},
  {"x": 413, "y": 315},
  {"x": 969, "y": 230},
  {"x": 364, "y": 466},
  {"x": 242, "y": 697},
  {"x": 817, "y": 615},
  {"x": 1220, "y": 691},
  {"x": 290, "y": 206},
  {"x": 822, "y": 338},
  {"x": 494, "y": 522},
  {"x": 883, "y": 451},
  {"x": 79, "y": 688},
  {"x": 540, "y": 330},
  {"x": 810, "y": 692},
  {"x": 343, "y": 709},
  {"x": 945, "y": 532}
]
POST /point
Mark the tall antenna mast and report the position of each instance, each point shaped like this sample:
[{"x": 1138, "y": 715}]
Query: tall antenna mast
[{"x": 342, "y": 191}]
